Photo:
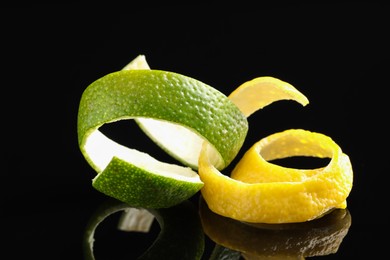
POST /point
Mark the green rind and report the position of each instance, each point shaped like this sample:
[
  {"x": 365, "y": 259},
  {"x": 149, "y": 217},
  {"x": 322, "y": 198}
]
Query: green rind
[
  {"x": 176, "y": 98},
  {"x": 141, "y": 188}
]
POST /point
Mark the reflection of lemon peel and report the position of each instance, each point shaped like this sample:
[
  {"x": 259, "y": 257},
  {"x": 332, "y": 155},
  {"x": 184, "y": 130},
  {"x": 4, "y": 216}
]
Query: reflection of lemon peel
[
  {"x": 181, "y": 234},
  {"x": 303, "y": 196},
  {"x": 220, "y": 252},
  {"x": 313, "y": 238}
]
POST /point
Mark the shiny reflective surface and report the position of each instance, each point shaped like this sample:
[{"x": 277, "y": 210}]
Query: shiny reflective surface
[
  {"x": 337, "y": 54},
  {"x": 184, "y": 228},
  {"x": 180, "y": 235},
  {"x": 319, "y": 237}
]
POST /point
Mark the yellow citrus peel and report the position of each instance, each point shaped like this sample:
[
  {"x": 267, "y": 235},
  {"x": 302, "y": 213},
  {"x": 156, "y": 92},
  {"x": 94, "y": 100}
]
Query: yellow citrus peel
[
  {"x": 262, "y": 91},
  {"x": 259, "y": 191}
]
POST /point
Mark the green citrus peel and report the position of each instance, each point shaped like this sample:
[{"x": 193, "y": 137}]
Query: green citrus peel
[{"x": 178, "y": 112}]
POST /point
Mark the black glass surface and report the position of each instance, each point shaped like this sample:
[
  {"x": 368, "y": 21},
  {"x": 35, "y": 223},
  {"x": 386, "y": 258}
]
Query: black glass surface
[{"x": 336, "y": 54}]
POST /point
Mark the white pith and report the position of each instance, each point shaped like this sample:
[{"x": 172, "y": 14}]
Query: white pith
[
  {"x": 177, "y": 140},
  {"x": 101, "y": 150}
]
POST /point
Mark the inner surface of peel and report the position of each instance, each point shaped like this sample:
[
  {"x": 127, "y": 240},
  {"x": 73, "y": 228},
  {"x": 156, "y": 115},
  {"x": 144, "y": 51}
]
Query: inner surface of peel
[{"x": 102, "y": 149}]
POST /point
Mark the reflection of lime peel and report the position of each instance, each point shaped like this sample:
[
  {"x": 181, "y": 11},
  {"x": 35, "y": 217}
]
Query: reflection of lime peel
[
  {"x": 137, "y": 220},
  {"x": 181, "y": 235}
]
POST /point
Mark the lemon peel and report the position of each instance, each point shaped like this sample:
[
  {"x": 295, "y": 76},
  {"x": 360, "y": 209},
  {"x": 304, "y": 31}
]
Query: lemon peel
[
  {"x": 259, "y": 191},
  {"x": 262, "y": 91},
  {"x": 290, "y": 195}
]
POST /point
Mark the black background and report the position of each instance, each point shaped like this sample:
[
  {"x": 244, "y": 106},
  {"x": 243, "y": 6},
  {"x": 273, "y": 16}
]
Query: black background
[{"x": 336, "y": 54}]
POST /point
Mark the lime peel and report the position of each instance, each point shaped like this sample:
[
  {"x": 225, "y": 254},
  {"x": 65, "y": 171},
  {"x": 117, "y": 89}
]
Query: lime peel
[
  {"x": 186, "y": 142},
  {"x": 165, "y": 105},
  {"x": 181, "y": 100}
]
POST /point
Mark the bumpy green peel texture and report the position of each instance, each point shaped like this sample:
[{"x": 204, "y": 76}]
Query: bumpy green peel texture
[
  {"x": 127, "y": 94},
  {"x": 115, "y": 181},
  {"x": 177, "y": 112}
]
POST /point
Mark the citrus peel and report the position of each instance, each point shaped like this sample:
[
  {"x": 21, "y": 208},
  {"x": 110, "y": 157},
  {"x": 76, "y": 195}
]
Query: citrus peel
[
  {"x": 176, "y": 107},
  {"x": 262, "y": 91},
  {"x": 259, "y": 191}
]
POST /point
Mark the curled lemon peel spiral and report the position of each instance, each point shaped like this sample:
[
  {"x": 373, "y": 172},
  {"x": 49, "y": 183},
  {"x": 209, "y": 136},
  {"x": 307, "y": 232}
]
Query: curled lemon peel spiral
[{"x": 259, "y": 191}]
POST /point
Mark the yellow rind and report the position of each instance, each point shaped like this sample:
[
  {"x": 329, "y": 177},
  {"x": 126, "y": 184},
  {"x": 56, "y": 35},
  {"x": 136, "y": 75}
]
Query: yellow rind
[
  {"x": 297, "y": 199},
  {"x": 262, "y": 91}
]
